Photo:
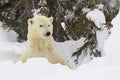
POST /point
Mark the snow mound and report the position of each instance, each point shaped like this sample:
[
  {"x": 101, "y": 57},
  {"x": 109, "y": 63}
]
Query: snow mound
[
  {"x": 12, "y": 37},
  {"x": 97, "y": 17},
  {"x": 10, "y": 49},
  {"x": 113, "y": 43},
  {"x": 41, "y": 69}
]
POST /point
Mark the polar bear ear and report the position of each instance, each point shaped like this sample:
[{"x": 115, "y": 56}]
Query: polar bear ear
[
  {"x": 51, "y": 19},
  {"x": 30, "y": 21}
]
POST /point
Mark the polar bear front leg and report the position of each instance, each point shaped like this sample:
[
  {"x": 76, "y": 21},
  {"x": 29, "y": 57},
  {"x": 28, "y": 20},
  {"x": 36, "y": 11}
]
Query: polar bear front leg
[
  {"x": 61, "y": 59},
  {"x": 56, "y": 57},
  {"x": 25, "y": 56}
]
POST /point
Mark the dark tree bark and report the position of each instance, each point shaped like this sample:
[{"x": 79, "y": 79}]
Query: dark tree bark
[{"x": 57, "y": 12}]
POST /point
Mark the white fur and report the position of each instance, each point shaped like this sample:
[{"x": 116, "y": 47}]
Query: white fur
[{"x": 40, "y": 45}]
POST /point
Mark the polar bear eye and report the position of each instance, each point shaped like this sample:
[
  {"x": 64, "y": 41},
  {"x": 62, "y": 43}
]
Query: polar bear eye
[
  {"x": 49, "y": 25},
  {"x": 41, "y": 26}
]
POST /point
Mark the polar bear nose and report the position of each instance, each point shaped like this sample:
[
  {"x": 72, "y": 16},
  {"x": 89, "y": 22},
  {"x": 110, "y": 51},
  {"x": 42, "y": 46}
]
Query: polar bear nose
[{"x": 48, "y": 33}]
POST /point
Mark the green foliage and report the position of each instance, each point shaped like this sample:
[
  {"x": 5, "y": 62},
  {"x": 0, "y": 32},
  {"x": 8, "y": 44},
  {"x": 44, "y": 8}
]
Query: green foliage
[{"x": 80, "y": 28}]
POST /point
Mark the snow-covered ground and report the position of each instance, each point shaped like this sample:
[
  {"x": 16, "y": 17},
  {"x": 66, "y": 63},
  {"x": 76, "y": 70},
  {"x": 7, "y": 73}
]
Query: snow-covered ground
[{"x": 104, "y": 68}]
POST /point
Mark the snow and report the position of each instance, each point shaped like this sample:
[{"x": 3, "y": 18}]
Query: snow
[
  {"x": 97, "y": 17},
  {"x": 86, "y": 10},
  {"x": 36, "y": 12},
  {"x": 104, "y": 68},
  {"x": 101, "y": 38},
  {"x": 113, "y": 41},
  {"x": 10, "y": 49},
  {"x": 69, "y": 15},
  {"x": 100, "y": 6},
  {"x": 63, "y": 25},
  {"x": 67, "y": 48},
  {"x": 5, "y": 37},
  {"x": 113, "y": 3}
]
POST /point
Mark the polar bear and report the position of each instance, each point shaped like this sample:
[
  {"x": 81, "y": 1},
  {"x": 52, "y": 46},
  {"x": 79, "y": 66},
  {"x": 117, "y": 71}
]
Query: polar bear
[{"x": 39, "y": 43}]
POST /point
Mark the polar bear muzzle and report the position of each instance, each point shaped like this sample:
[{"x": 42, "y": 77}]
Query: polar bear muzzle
[{"x": 48, "y": 34}]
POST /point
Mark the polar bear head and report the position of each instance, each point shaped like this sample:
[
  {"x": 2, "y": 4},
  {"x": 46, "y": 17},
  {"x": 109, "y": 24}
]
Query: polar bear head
[{"x": 40, "y": 26}]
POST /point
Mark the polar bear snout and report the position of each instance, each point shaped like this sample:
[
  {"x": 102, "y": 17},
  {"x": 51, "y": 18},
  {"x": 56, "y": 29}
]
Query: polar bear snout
[{"x": 48, "y": 34}]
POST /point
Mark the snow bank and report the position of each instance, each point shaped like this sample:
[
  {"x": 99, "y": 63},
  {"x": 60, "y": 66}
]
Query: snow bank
[
  {"x": 41, "y": 69},
  {"x": 12, "y": 37},
  {"x": 10, "y": 49},
  {"x": 113, "y": 43}
]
